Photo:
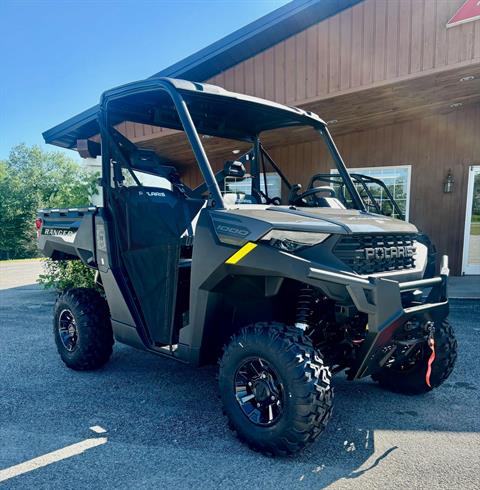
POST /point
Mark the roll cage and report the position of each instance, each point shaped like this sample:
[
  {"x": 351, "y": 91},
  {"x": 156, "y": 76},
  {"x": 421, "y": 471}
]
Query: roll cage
[{"x": 198, "y": 109}]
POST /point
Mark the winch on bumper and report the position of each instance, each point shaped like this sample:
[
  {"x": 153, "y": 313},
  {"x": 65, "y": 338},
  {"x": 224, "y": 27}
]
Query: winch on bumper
[{"x": 381, "y": 299}]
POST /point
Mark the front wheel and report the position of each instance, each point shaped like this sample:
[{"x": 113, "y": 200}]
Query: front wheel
[
  {"x": 411, "y": 377},
  {"x": 275, "y": 388}
]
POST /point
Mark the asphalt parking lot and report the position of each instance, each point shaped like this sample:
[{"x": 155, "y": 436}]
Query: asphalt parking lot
[{"x": 164, "y": 428}]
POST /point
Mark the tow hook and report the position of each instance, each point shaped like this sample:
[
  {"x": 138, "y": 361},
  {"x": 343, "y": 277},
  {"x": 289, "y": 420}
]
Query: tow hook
[{"x": 431, "y": 343}]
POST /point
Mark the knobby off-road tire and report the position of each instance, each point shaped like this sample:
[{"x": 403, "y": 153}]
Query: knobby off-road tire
[
  {"x": 304, "y": 389},
  {"x": 82, "y": 329},
  {"x": 412, "y": 381}
]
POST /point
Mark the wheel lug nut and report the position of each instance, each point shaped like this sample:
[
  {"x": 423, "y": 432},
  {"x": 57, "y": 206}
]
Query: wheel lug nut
[
  {"x": 249, "y": 383},
  {"x": 272, "y": 397},
  {"x": 258, "y": 405}
]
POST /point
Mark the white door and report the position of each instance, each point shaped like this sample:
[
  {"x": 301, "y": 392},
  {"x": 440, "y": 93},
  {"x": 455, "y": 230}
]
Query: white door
[{"x": 471, "y": 244}]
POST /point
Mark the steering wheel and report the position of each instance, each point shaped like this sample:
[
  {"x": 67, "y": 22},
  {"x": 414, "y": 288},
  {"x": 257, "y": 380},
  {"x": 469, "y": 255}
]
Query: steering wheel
[{"x": 308, "y": 198}]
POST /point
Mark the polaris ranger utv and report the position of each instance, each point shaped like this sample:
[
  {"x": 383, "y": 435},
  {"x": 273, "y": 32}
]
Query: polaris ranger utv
[{"x": 284, "y": 288}]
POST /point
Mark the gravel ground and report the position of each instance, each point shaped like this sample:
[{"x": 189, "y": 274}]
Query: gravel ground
[{"x": 165, "y": 429}]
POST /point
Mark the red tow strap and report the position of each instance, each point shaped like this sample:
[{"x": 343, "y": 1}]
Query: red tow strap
[{"x": 431, "y": 344}]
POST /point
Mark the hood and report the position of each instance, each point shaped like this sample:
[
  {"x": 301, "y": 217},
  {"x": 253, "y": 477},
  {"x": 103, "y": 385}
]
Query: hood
[{"x": 325, "y": 220}]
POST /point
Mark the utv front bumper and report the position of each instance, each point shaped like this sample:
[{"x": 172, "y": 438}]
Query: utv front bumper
[{"x": 383, "y": 300}]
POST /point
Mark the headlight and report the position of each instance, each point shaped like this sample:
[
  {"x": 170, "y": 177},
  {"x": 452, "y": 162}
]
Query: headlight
[{"x": 289, "y": 241}]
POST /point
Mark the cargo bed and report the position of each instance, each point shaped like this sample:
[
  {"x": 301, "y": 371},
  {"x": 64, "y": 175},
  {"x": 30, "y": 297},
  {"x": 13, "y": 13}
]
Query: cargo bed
[{"x": 67, "y": 234}]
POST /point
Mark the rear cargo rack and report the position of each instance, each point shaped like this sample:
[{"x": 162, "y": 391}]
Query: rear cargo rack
[{"x": 49, "y": 211}]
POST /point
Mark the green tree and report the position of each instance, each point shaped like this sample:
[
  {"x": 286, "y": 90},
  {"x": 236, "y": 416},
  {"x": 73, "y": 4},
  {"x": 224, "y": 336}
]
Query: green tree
[
  {"x": 16, "y": 222},
  {"x": 32, "y": 178}
]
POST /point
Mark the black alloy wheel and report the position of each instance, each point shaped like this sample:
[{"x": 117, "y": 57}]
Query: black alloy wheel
[
  {"x": 67, "y": 330},
  {"x": 259, "y": 392}
]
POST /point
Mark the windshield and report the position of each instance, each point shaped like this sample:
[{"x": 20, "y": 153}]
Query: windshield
[{"x": 280, "y": 173}]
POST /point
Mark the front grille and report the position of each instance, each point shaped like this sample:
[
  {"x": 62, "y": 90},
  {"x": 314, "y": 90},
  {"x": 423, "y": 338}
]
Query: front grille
[{"x": 369, "y": 254}]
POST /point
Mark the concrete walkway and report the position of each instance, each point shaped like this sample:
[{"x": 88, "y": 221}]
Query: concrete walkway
[
  {"x": 464, "y": 287},
  {"x": 15, "y": 273}
]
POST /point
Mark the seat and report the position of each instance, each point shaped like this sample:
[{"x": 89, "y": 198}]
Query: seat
[{"x": 233, "y": 198}]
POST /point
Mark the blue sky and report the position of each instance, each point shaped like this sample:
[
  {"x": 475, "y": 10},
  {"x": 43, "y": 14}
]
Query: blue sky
[{"x": 58, "y": 56}]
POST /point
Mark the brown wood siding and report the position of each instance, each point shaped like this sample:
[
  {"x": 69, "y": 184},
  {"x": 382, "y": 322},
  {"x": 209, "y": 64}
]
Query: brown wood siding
[
  {"x": 374, "y": 42},
  {"x": 431, "y": 145}
]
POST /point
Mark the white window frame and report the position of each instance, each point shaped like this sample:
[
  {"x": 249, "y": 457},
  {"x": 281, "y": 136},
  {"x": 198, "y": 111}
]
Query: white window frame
[
  {"x": 362, "y": 170},
  {"x": 466, "y": 268}
]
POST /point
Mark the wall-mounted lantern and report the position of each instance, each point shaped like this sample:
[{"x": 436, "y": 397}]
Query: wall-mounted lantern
[{"x": 448, "y": 183}]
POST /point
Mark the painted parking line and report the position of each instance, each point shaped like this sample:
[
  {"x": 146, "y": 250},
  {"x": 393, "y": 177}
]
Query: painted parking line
[
  {"x": 49, "y": 458},
  {"x": 98, "y": 429}
]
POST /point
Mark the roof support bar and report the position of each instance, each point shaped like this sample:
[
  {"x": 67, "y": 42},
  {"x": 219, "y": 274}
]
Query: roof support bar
[
  {"x": 342, "y": 170},
  {"x": 198, "y": 150}
]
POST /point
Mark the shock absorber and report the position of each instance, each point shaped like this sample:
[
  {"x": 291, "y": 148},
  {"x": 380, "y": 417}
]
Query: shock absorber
[{"x": 305, "y": 304}]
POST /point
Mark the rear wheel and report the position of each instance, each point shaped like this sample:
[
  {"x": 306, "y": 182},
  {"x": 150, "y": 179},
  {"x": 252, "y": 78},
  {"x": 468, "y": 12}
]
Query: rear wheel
[
  {"x": 82, "y": 329},
  {"x": 275, "y": 388},
  {"x": 411, "y": 377}
]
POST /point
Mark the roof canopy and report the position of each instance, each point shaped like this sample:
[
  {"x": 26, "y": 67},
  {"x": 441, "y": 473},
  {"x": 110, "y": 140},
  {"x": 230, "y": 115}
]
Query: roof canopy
[
  {"x": 214, "y": 110},
  {"x": 242, "y": 44}
]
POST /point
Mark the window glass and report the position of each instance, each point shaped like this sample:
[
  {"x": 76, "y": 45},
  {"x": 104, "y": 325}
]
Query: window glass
[
  {"x": 150, "y": 180},
  {"x": 243, "y": 187},
  {"x": 397, "y": 181},
  {"x": 145, "y": 178}
]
